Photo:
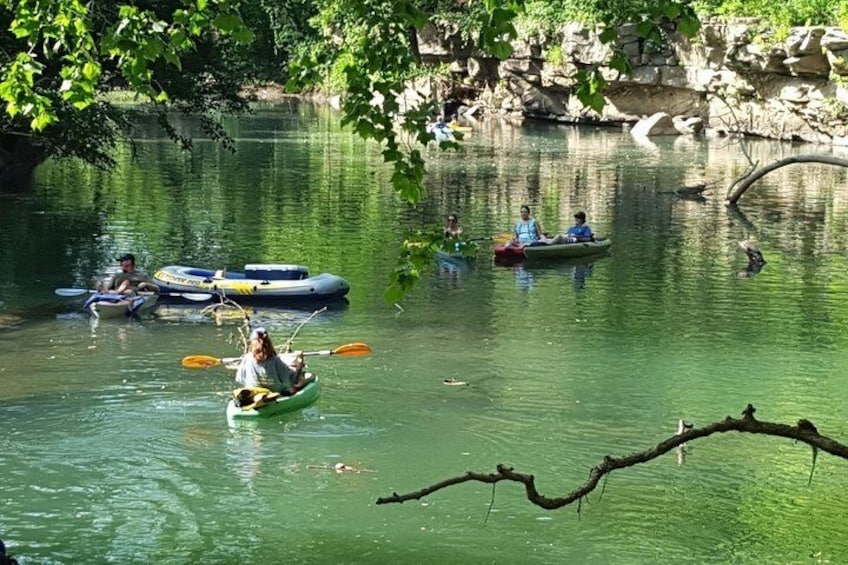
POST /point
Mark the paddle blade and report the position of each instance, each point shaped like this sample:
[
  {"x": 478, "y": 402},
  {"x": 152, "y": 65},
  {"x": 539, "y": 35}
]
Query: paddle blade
[
  {"x": 200, "y": 361},
  {"x": 353, "y": 349},
  {"x": 71, "y": 291},
  {"x": 193, "y": 296}
]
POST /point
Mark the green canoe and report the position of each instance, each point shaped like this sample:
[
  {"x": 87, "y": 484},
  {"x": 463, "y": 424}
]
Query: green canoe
[
  {"x": 282, "y": 405},
  {"x": 565, "y": 250}
]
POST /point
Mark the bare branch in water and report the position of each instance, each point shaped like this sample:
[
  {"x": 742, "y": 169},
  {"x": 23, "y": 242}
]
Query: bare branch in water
[{"x": 804, "y": 431}]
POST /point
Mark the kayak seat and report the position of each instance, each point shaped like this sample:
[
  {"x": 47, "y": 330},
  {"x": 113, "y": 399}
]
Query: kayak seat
[{"x": 220, "y": 274}]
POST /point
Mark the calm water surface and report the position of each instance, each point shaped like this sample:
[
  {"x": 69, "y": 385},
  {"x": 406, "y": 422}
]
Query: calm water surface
[{"x": 111, "y": 452}]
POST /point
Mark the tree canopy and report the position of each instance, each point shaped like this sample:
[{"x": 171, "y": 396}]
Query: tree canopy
[{"x": 60, "y": 56}]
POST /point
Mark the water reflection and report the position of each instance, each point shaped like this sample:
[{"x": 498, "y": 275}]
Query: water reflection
[
  {"x": 272, "y": 317},
  {"x": 576, "y": 270}
]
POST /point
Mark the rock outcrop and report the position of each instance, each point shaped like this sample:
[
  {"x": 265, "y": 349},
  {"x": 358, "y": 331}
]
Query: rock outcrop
[{"x": 730, "y": 78}]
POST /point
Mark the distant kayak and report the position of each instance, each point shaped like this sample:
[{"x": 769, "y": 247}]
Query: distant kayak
[
  {"x": 440, "y": 132},
  {"x": 561, "y": 250},
  {"x": 277, "y": 405}
]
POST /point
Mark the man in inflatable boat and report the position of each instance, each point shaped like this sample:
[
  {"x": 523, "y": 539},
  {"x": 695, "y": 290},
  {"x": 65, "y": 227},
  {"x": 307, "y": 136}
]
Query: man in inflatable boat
[{"x": 129, "y": 280}]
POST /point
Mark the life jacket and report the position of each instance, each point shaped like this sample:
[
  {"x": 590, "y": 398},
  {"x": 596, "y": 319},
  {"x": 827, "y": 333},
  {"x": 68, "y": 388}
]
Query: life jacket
[{"x": 527, "y": 233}]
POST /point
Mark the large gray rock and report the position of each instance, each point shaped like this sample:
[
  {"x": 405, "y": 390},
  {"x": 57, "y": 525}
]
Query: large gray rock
[
  {"x": 838, "y": 61},
  {"x": 815, "y": 65},
  {"x": 834, "y": 39},
  {"x": 657, "y": 124},
  {"x": 688, "y": 126}
]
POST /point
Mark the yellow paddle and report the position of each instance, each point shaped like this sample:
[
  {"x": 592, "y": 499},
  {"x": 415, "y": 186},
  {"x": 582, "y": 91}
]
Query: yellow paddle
[
  {"x": 498, "y": 238},
  {"x": 206, "y": 361}
]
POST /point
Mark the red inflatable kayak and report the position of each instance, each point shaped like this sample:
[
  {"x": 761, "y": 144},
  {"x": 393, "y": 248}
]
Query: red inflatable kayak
[{"x": 511, "y": 252}]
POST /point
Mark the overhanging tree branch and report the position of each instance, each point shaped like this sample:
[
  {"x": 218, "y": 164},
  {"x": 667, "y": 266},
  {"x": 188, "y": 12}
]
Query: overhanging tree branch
[
  {"x": 734, "y": 197},
  {"x": 804, "y": 431}
]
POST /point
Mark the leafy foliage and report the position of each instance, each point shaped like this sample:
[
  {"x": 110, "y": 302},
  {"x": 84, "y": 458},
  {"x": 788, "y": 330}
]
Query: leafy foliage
[
  {"x": 417, "y": 255},
  {"x": 61, "y": 55},
  {"x": 370, "y": 48},
  {"x": 787, "y": 13}
]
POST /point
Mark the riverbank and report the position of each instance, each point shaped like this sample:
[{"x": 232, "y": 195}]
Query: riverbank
[{"x": 735, "y": 76}]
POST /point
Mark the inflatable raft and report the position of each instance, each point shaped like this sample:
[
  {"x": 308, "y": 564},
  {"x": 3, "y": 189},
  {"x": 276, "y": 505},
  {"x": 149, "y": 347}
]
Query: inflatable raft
[{"x": 258, "y": 283}]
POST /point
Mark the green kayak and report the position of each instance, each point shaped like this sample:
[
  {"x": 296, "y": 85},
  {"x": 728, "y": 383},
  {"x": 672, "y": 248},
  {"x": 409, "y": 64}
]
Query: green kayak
[
  {"x": 565, "y": 250},
  {"x": 280, "y": 405}
]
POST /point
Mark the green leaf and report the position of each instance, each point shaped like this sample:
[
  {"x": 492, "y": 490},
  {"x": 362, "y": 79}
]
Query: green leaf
[
  {"x": 90, "y": 70},
  {"x": 227, "y": 22},
  {"x": 689, "y": 26},
  {"x": 412, "y": 15},
  {"x": 41, "y": 121},
  {"x": 501, "y": 49},
  {"x": 672, "y": 11},
  {"x": 152, "y": 48},
  {"x": 243, "y": 35},
  {"x": 393, "y": 294},
  {"x": 609, "y": 35},
  {"x": 172, "y": 59},
  {"x": 620, "y": 63},
  {"x": 644, "y": 28}
]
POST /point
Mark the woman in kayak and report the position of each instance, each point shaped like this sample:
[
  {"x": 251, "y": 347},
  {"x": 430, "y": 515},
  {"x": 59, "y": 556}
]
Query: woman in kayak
[
  {"x": 262, "y": 366},
  {"x": 453, "y": 230},
  {"x": 527, "y": 230}
]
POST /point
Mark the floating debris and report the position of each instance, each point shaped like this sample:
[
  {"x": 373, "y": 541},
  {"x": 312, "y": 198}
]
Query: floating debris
[{"x": 454, "y": 382}]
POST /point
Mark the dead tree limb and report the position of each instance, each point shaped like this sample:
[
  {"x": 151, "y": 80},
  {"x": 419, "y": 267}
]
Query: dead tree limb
[
  {"x": 754, "y": 177},
  {"x": 803, "y": 431}
]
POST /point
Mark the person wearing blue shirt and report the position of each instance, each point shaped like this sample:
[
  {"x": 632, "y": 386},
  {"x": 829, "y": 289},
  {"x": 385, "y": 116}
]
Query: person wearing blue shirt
[{"x": 578, "y": 232}]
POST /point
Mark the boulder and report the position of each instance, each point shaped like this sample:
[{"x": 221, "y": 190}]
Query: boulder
[
  {"x": 688, "y": 126},
  {"x": 657, "y": 124},
  {"x": 834, "y": 39},
  {"x": 808, "y": 65}
]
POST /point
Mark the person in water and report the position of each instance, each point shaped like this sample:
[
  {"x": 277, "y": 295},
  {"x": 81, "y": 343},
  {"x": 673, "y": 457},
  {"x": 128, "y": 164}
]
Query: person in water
[
  {"x": 453, "y": 230},
  {"x": 129, "y": 280},
  {"x": 262, "y": 366},
  {"x": 527, "y": 230},
  {"x": 578, "y": 232}
]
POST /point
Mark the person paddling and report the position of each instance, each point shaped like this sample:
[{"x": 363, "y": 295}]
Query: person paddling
[{"x": 263, "y": 367}]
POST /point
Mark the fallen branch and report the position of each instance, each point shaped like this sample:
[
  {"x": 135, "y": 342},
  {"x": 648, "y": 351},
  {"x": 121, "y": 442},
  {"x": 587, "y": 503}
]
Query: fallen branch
[
  {"x": 803, "y": 431},
  {"x": 734, "y": 197}
]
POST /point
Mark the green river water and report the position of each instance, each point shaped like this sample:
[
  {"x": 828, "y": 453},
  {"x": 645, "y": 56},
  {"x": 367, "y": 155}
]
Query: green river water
[{"x": 111, "y": 452}]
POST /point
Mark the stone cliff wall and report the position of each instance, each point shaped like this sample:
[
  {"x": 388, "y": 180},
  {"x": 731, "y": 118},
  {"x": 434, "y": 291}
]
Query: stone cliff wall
[{"x": 731, "y": 77}]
